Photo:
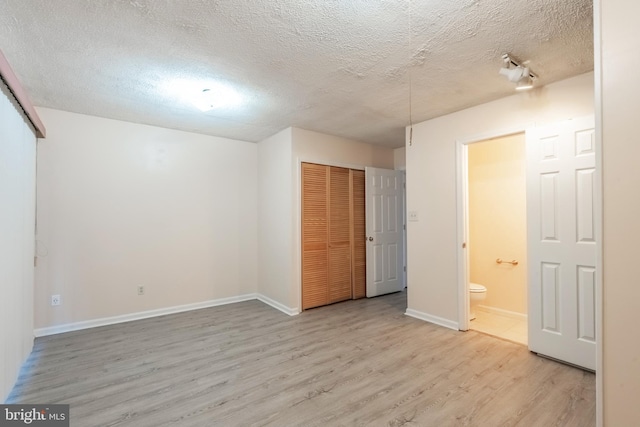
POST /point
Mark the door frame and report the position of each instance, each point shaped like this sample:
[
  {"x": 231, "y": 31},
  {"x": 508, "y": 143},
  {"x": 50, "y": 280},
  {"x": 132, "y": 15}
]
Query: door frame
[{"x": 462, "y": 216}]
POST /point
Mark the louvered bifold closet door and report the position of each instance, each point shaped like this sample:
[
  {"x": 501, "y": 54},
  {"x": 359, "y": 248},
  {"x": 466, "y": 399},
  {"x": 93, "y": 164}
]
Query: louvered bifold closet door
[
  {"x": 315, "y": 223},
  {"x": 339, "y": 235},
  {"x": 358, "y": 253}
]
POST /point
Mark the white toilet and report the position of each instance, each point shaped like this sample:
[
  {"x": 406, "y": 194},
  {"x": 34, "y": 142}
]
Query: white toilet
[{"x": 477, "y": 293}]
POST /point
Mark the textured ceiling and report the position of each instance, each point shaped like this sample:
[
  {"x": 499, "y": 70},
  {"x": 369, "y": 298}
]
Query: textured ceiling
[{"x": 335, "y": 66}]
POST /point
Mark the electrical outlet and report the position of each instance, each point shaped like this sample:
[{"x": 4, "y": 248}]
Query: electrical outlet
[
  {"x": 140, "y": 290},
  {"x": 56, "y": 300},
  {"x": 413, "y": 216}
]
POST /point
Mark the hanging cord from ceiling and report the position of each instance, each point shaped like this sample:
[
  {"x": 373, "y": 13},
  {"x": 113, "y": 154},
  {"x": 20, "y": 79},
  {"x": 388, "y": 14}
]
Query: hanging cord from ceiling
[{"x": 410, "y": 82}]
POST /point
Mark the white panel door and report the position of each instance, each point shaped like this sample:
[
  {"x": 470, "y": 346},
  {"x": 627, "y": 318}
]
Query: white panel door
[
  {"x": 383, "y": 207},
  {"x": 561, "y": 180}
]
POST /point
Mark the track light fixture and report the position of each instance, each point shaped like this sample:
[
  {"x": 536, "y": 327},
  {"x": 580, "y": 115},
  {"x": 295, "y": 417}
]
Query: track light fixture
[{"x": 517, "y": 73}]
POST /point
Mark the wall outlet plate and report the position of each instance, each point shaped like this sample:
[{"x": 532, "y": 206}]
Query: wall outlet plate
[
  {"x": 56, "y": 300},
  {"x": 140, "y": 290}
]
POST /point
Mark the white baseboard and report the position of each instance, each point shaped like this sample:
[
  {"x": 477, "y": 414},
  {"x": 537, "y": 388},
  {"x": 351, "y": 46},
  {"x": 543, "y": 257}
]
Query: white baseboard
[
  {"x": 275, "y": 304},
  {"x": 432, "y": 319},
  {"x": 500, "y": 311},
  {"x": 105, "y": 321}
]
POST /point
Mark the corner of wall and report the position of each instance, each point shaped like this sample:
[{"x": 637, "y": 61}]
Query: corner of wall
[
  {"x": 275, "y": 193},
  {"x": 400, "y": 159}
]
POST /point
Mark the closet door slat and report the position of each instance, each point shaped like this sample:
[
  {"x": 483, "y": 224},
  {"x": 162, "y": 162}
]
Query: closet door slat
[
  {"x": 339, "y": 235},
  {"x": 315, "y": 223},
  {"x": 359, "y": 256}
]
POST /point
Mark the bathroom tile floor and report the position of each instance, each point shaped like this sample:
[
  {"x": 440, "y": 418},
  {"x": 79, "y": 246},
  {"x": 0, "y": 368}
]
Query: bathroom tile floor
[{"x": 503, "y": 326}]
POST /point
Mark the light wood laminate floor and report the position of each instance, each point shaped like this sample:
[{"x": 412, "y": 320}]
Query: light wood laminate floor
[{"x": 357, "y": 363}]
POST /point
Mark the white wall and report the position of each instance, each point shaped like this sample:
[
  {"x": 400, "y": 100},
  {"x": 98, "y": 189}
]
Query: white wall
[
  {"x": 329, "y": 149},
  {"x": 17, "y": 231},
  {"x": 192, "y": 218},
  {"x": 399, "y": 158},
  {"x": 122, "y": 205},
  {"x": 275, "y": 191},
  {"x": 431, "y": 183},
  {"x": 617, "y": 62}
]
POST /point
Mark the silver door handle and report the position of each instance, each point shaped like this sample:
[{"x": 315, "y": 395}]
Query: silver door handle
[{"x": 371, "y": 239}]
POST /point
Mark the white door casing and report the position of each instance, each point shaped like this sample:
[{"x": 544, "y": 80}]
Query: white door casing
[
  {"x": 462, "y": 171},
  {"x": 384, "y": 220},
  {"x": 561, "y": 236}
]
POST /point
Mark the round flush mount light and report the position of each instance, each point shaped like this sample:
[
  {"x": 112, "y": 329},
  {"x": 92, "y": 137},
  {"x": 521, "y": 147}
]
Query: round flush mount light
[
  {"x": 216, "y": 96},
  {"x": 206, "y": 95}
]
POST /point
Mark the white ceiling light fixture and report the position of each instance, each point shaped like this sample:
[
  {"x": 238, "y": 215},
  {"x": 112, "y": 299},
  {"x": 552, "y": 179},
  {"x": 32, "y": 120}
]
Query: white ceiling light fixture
[
  {"x": 204, "y": 95},
  {"x": 216, "y": 96},
  {"x": 517, "y": 73}
]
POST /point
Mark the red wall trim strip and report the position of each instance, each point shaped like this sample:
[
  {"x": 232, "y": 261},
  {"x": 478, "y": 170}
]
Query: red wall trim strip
[{"x": 10, "y": 79}]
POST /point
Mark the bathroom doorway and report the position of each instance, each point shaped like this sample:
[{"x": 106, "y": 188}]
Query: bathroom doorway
[{"x": 496, "y": 236}]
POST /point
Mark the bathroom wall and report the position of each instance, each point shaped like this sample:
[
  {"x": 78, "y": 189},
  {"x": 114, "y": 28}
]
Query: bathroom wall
[{"x": 497, "y": 221}]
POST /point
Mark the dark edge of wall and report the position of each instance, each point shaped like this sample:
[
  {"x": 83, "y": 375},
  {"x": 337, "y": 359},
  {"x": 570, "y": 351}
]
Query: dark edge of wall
[{"x": 8, "y": 76}]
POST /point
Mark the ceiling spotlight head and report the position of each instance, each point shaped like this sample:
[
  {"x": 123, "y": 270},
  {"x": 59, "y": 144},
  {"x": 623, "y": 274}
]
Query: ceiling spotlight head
[{"x": 515, "y": 74}]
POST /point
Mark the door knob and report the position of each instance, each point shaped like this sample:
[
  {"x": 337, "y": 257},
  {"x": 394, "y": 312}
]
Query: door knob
[{"x": 371, "y": 239}]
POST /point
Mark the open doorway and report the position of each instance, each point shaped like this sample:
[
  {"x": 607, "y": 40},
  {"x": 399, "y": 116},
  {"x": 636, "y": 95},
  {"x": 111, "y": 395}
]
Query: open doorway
[
  {"x": 562, "y": 187},
  {"x": 497, "y": 236}
]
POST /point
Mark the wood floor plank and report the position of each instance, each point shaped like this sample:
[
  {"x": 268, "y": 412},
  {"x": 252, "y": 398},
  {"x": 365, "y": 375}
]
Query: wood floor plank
[{"x": 357, "y": 363}]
